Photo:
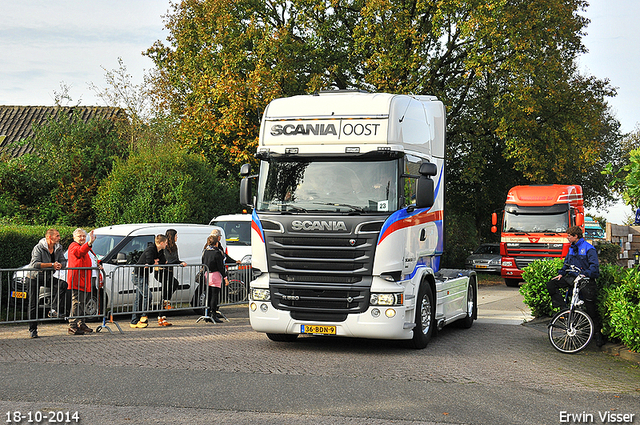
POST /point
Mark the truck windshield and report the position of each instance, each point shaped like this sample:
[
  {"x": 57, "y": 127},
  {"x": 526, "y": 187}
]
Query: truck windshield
[
  {"x": 536, "y": 223},
  {"x": 323, "y": 186}
]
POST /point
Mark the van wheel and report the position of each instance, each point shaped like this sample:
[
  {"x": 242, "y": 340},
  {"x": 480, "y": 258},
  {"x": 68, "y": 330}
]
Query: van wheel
[
  {"x": 199, "y": 301},
  {"x": 472, "y": 306},
  {"x": 91, "y": 305},
  {"x": 424, "y": 318},
  {"x": 282, "y": 337}
]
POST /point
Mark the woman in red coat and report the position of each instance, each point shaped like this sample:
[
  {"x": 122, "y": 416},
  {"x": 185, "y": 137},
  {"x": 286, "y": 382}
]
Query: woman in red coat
[{"x": 79, "y": 280}]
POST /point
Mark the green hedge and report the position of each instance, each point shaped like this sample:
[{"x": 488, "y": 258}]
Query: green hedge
[
  {"x": 536, "y": 275},
  {"x": 17, "y": 242},
  {"x": 618, "y": 298}
]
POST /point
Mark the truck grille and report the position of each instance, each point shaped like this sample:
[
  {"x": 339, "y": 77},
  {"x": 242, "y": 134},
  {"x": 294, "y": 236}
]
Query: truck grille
[
  {"x": 316, "y": 302},
  {"x": 321, "y": 276},
  {"x": 321, "y": 255},
  {"x": 540, "y": 249}
]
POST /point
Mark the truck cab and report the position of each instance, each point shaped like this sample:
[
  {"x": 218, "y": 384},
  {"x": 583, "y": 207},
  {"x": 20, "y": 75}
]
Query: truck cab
[{"x": 347, "y": 224}]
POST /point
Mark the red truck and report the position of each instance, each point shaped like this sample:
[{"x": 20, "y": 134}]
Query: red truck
[{"x": 534, "y": 225}]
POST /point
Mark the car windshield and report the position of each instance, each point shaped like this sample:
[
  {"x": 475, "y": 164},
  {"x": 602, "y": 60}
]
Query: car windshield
[
  {"x": 338, "y": 186},
  {"x": 536, "y": 223},
  {"x": 488, "y": 249},
  {"x": 104, "y": 244},
  {"x": 236, "y": 232}
]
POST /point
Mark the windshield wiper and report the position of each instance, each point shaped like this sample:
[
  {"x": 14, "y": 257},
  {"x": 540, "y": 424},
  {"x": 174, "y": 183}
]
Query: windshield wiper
[
  {"x": 353, "y": 207},
  {"x": 292, "y": 208}
]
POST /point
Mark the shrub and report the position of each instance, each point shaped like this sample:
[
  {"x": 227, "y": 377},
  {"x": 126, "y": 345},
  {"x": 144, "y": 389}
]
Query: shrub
[
  {"x": 536, "y": 275},
  {"x": 619, "y": 305},
  {"x": 17, "y": 242},
  {"x": 607, "y": 252},
  {"x": 57, "y": 182},
  {"x": 164, "y": 185}
]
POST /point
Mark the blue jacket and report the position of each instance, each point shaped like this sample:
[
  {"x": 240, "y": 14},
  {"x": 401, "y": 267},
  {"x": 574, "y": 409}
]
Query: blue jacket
[{"x": 583, "y": 255}]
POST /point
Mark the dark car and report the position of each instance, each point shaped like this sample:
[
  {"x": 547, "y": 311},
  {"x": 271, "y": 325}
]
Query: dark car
[{"x": 485, "y": 259}]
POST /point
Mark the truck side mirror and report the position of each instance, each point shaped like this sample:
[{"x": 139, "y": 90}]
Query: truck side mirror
[
  {"x": 424, "y": 192},
  {"x": 245, "y": 190},
  {"x": 494, "y": 219},
  {"x": 245, "y": 170},
  {"x": 428, "y": 169},
  {"x": 579, "y": 219}
]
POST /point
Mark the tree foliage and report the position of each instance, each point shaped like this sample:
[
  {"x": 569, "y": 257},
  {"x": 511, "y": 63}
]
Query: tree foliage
[
  {"x": 625, "y": 174},
  {"x": 163, "y": 185},
  {"x": 57, "y": 182},
  {"x": 505, "y": 69}
]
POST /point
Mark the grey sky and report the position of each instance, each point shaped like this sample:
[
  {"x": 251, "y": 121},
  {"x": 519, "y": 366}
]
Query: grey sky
[{"x": 44, "y": 43}]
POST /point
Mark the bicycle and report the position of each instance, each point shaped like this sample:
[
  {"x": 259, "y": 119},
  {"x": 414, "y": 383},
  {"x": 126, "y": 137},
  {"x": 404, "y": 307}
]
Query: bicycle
[{"x": 571, "y": 329}]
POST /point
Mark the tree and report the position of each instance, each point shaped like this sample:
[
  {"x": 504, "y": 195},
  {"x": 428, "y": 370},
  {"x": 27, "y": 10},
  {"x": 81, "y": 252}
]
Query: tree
[
  {"x": 518, "y": 111},
  {"x": 164, "y": 185},
  {"x": 57, "y": 182}
]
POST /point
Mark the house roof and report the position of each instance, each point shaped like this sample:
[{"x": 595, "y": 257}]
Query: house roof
[{"x": 16, "y": 122}]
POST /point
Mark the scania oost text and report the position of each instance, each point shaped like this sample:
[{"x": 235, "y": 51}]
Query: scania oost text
[{"x": 348, "y": 219}]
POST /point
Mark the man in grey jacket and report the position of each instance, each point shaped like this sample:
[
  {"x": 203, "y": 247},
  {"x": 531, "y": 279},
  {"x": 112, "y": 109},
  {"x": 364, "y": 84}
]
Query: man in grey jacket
[{"x": 48, "y": 256}]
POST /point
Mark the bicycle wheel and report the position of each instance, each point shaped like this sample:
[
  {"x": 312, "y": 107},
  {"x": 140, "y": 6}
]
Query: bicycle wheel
[{"x": 570, "y": 331}]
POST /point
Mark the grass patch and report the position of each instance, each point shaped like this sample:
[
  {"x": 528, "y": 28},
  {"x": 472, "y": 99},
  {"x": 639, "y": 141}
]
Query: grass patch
[{"x": 489, "y": 279}]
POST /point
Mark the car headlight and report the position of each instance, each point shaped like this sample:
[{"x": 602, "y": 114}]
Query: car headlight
[
  {"x": 386, "y": 299},
  {"x": 495, "y": 262},
  {"x": 259, "y": 294}
]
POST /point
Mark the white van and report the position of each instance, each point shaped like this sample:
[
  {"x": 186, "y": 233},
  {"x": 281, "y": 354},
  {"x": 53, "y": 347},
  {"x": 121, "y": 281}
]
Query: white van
[
  {"x": 122, "y": 245},
  {"x": 237, "y": 228}
]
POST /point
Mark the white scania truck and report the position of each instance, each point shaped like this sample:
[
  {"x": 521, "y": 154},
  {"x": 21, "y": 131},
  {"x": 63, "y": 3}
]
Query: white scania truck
[{"x": 347, "y": 226}]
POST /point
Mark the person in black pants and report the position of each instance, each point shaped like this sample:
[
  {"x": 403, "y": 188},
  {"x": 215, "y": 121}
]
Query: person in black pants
[
  {"x": 48, "y": 256},
  {"x": 169, "y": 282},
  {"x": 584, "y": 256},
  {"x": 213, "y": 258}
]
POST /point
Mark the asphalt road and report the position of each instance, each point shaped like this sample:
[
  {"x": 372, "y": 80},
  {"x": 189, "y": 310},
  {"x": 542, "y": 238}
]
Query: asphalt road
[{"x": 497, "y": 372}]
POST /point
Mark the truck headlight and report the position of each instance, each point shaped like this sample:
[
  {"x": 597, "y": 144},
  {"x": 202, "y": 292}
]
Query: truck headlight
[
  {"x": 386, "y": 299},
  {"x": 259, "y": 294},
  {"x": 507, "y": 263}
]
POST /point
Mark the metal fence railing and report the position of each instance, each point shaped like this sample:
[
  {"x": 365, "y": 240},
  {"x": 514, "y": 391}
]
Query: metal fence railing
[
  {"x": 113, "y": 292},
  {"x": 28, "y": 295}
]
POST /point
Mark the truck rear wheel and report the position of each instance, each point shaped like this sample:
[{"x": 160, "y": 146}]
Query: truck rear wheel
[
  {"x": 424, "y": 318},
  {"x": 472, "y": 306},
  {"x": 282, "y": 337}
]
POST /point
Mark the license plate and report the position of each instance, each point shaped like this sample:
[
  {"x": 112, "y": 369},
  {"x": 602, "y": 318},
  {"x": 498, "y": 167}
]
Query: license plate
[
  {"x": 481, "y": 267},
  {"x": 16, "y": 294},
  {"x": 318, "y": 329}
]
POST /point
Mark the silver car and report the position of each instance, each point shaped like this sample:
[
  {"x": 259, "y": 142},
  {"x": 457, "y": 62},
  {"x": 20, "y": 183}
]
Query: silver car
[{"x": 485, "y": 259}]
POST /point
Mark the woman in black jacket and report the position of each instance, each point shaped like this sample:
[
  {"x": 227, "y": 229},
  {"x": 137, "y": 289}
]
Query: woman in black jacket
[{"x": 214, "y": 260}]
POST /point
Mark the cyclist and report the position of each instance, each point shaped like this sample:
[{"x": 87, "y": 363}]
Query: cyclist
[{"x": 584, "y": 256}]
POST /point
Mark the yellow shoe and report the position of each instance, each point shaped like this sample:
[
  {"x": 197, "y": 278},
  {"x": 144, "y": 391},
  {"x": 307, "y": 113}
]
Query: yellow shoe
[
  {"x": 140, "y": 324},
  {"x": 144, "y": 319}
]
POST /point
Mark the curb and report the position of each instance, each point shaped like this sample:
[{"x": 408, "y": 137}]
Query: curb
[
  {"x": 619, "y": 350},
  {"x": 614, "y": 349}
]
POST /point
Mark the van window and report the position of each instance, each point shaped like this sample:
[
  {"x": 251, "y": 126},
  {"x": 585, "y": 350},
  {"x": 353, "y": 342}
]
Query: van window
[
  {"x": 104, "y": 244},
  {"x": 133, "y": 249},
  {"x": 237, "y": 232}
]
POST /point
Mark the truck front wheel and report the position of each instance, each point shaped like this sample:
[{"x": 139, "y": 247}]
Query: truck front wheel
[{"x": 425, "y": 314}]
